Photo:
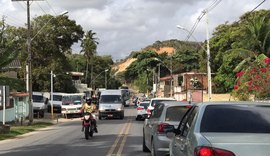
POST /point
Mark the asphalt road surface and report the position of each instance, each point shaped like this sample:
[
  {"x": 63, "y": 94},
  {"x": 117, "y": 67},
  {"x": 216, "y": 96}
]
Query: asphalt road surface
[{"x": 115, "y": 137}]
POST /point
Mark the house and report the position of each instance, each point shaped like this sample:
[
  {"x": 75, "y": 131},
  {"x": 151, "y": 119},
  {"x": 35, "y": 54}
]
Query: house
[
  {"x": 16, "y": 109},
  {"x": 185, "y": 86},
  {"x": 11, "y": 69}
]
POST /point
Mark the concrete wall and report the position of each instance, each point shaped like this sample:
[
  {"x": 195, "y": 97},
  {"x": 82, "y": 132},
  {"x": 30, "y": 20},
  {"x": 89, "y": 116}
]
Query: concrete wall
[{"x": 10, "y": 115}]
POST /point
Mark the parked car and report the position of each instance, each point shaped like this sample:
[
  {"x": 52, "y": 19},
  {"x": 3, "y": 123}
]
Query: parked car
[
  {"x": 154, "y": 101},
  {"x": 141, "y": 110},
  {"x": 164, "y": 114},
  {"x": 223, "y": 129}
]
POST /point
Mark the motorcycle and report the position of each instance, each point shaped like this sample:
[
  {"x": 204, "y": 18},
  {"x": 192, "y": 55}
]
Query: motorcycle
[{"x": 88, "y": 126}]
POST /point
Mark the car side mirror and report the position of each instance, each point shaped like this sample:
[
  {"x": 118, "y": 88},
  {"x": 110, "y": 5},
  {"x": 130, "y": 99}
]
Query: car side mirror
[
  {"x": 170, "y": 131},
  {"x": 169, "y": 128},
  {"x": 46, "y": 101}
]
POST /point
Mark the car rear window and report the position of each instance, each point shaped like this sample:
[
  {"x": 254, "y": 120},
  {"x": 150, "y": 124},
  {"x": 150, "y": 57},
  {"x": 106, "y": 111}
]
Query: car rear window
[
  {"x": 175, "y": 113},
  {"x": 236, "y": 119},
  {"x": 144, "y": 104}
]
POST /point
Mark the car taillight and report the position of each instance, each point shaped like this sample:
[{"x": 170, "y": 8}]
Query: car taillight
[
  {"x": 209, "y": 151},
  {"x": 161, "y": 127},
  {"x": 148, "y": 111},
  {"x": 140, "y": 108}
]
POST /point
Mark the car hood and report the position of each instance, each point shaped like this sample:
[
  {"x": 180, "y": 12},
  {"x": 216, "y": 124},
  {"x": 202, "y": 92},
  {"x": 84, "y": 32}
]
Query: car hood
[{"x": 247, "y": 144}]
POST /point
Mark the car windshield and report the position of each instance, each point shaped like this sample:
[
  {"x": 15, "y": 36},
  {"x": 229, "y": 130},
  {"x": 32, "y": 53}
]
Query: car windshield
[
  {"x": 110, "y": 98},
  {"x": 175, "y": 113},
  {"x": 38, "y": 98},
  {"x": 236, "y": 119},
  {"x": 57, "y": 97}
]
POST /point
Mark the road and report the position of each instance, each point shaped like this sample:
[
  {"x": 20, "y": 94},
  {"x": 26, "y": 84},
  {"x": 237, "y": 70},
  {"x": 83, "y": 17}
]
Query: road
[{"x": 116, "y": 137}]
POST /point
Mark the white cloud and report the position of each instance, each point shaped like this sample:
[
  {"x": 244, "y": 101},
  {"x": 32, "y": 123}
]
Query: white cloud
[{"x": 123, "y": 26}]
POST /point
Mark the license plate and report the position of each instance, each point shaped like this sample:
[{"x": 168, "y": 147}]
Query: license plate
[{"x": 110, "y": 115}]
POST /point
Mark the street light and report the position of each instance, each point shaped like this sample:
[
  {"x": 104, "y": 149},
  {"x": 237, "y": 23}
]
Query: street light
[
  {"x": 52, "y": 75},
  {"x": 99, "y": 75},
  {"x": 208, "y": 60},
  {"x": 106, "y": 78},
  {"x": 40, "y": 30}
]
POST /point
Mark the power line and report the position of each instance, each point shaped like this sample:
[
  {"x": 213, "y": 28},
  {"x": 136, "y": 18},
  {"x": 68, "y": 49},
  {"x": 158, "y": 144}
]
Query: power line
[
  {"x": 51, "y": 7},
  {"x": 15, "y": 21},
  {"x": 41, "y": 8},
  {"x": 257, "y": 6},
  {"x": 22, "y": 6},
  {"x": 211, "y": 7}
]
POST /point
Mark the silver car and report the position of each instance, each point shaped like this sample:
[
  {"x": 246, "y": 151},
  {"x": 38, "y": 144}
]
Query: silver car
[
  {"x": 223, "y": 129},
  {"x": 164, "y": 114}
]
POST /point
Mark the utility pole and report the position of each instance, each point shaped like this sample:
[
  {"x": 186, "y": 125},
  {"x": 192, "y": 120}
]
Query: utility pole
[
  {"x": 29, "y": 61},
  {"x": 208, "y": 60}
]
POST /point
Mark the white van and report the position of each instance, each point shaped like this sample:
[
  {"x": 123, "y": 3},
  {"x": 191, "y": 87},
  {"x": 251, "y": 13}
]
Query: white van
[
  {"x": 40, "y": 103},
  {"x": 111, "y": 104},
  {"x": 72, "y": 104},
  {"x": 57, "y": 102}
]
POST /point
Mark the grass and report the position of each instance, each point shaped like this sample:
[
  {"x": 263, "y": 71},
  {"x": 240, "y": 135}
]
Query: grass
[{"x": 19, "y": 130}]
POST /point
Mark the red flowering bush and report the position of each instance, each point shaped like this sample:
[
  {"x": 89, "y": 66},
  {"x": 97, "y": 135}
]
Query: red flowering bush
[{"x": 254, "y": 81}]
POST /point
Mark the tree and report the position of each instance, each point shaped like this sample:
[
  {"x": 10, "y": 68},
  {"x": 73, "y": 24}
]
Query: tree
[
  {"x": 187, "y": 60},
  {"x": 8, "y": 52},
  {"x": 145, "y": 60},
  {"x": 242, "y": 40},
  {"x": 89, "y": 47},
  {"x": 52, "y": 38}
]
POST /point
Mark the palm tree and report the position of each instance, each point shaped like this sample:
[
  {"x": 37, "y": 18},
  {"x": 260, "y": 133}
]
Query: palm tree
[
  {"x": 258, "y": 32},
  {"x": 89, "y": 47}
]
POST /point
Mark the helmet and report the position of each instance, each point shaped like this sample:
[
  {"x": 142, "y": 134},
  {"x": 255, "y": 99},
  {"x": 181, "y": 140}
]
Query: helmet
[{"x": 88, "y": 100}]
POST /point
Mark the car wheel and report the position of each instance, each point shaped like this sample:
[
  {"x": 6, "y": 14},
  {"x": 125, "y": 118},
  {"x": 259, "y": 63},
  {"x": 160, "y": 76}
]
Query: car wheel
[
  {"x": 145, "y": 149},
  {"x": 122, "y": 117}
]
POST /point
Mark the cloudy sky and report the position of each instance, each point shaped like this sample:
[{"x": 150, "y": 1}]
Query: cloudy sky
[{"x": 123, "y": 26}]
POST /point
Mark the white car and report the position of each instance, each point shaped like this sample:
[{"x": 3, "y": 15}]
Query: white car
[
  {"x": 154, "y": 101},
  {"x": 141, "y": 110}
]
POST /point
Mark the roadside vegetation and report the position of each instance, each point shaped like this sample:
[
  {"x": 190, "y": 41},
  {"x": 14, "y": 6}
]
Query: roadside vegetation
[
  {"x": 234, "y": 46},
  {"x": 19, "y": 130}
]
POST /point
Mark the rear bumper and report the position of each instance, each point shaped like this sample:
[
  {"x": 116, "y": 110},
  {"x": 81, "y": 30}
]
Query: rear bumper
[{"x": 142, "y": 116}]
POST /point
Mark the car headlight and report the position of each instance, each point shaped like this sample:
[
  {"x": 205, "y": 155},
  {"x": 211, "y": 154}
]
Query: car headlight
[
  {"x": 101, "y": 109},
  {"x": 119, "y": 109}
]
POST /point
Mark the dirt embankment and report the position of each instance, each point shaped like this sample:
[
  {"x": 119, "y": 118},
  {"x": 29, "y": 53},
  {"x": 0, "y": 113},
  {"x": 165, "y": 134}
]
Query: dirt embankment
[{"x": 123, "y": 65}]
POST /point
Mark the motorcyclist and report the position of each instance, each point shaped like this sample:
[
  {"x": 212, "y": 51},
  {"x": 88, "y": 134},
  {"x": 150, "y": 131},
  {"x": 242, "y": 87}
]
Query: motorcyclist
[{"x": 88, "y": 107}]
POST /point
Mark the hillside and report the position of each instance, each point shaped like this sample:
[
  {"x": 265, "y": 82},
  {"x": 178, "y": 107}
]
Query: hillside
[{"x": 120, "y": 67}]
